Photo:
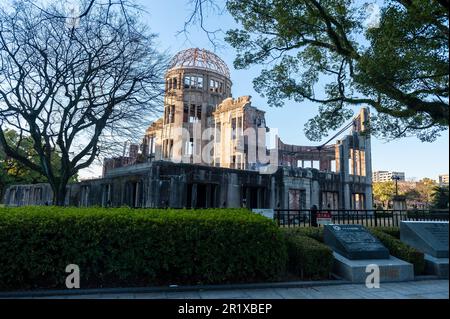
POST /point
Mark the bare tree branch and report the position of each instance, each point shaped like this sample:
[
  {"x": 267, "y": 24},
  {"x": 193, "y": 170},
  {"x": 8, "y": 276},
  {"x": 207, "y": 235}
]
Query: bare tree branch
[
  {"x": 199, "y": 13},
  {"x": 68, "y": 86}
]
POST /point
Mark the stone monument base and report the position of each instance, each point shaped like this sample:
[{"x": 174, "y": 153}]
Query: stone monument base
[
  {"x": 392, "y": 269},
  {"x": 436, "y": 266}
]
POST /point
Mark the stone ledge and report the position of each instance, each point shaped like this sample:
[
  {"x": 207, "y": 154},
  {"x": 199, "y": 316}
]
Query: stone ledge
[
  {"x": 172, "y": 288},
  {"x": 391, "y": 270},
  {"x": 436, "y": 266}
]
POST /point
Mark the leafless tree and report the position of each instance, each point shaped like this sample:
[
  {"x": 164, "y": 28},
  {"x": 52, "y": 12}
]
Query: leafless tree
[
  {"x": 75, "y": 83},
  {"x": 200, "y": 10}
]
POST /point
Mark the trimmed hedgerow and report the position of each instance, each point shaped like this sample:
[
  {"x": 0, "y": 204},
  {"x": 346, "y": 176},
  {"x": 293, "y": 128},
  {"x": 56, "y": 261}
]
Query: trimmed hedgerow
[
  {"x": 132, "y": 247},
  {"x": 317, "y": 232},
  {"x": 401, "y": 250},
  {"x": 393, "y": 231},
  {"x": 307, "y": 257},
  {"x": 312, "y": 232}
]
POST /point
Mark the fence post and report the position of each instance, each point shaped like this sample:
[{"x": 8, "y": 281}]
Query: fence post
[
  {"x": 309, "y": 218},
  {"x": 366, "y": 221},
  {"x": 375, "y": 218}
]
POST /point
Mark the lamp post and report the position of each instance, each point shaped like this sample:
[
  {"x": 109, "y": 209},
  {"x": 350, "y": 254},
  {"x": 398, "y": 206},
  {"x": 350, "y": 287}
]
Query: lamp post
[{"x": 396, "y": 178}]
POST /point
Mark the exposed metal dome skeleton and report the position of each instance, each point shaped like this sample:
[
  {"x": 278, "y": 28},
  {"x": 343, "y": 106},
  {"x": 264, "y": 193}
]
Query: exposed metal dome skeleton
[{"x": 199, "y": 58}]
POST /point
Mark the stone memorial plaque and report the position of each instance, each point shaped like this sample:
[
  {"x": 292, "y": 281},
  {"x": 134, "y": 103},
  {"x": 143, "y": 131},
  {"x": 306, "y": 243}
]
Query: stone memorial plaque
[
  {"x": 426, "y": 236},
  {"x": 354, "y": 242}
]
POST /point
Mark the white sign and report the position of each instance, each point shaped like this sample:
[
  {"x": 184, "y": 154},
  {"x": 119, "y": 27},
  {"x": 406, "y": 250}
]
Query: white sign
[
  {"x": 266, "y": 212},
  {"x": 324, "y": 221},
  {"x": 324, "y": 218}
]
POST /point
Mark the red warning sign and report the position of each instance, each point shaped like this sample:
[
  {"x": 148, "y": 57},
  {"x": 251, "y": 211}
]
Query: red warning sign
[{"x": 324, "y": 218}]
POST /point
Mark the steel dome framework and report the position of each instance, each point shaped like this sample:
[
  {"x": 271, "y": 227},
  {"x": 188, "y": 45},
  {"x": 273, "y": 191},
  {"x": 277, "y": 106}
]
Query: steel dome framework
[{"x": 199, "y": 58}]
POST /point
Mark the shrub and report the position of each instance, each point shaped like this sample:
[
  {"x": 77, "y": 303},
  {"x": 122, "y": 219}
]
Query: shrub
[
  {"x": 401, "y": 250},
  {"x": 135, "y": 247},
  {"x": 307, "y": 257},
  {"x": 312, "y": 232},
  {"x": 393, "y": 231}
]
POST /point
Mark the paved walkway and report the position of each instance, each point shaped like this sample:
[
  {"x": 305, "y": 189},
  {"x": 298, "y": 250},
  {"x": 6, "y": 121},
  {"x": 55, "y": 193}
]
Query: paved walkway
[{"x": 426, "y": 289}]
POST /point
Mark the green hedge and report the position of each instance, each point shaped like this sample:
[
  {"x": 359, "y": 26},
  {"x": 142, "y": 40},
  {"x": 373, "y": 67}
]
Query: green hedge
[
  {"x": 401, "y": 250},
  {"x": 135, "y": 247},
  {"x": 307, "y": 257},
  {"x": 312, "y": 232},
  {"x": 393, "y": 231},
  {"x": 317, "y": 232}
]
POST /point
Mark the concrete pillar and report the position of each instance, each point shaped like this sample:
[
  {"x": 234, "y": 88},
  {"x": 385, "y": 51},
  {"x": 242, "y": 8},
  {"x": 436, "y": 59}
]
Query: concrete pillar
[
  {"x": 368, "y": 170},
  {"x": 234, "y": 192},
  {"x": 285, "y": 198},
  {"x": 344, "y": 150},
  {"x": 197, "y": 138},
  {"x": 351, "y": 162},
  {"x": 138, "y": 194},
  {"x": 214, "y": 149},
  {"x": 337, "y": 157},
  {"x": 272, "y": 190},
  {"x": 366, "y": 159},
  {"x": 315, "y": 194},
  {"x": 173, "y": 193},
  {"x": 194, "y": 196}
]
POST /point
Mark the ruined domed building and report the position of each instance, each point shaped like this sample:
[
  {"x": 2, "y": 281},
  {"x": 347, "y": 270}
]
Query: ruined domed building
[
  {"x": 198, "y": 100},
  {"x": 209, "y": 150}
]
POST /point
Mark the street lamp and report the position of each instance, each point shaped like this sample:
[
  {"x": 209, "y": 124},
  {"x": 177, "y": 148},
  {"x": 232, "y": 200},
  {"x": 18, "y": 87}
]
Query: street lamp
[{"x": 396, "y": 178}]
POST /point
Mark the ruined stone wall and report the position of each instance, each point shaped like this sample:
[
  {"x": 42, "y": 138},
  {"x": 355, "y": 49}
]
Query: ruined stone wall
[
  {"x": 23, "y": 195},
  {"x": 238, "y": 128},
  {"x": 164, "y": 184},
  {"x": 354, "y": 165},
  {"x": 305, "y": 156}
]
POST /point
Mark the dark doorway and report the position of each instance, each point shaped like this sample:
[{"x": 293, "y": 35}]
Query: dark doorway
[
  {"x": 189, "y": 196},
  {"x": 250, "y": 198},
  {"x": 133, "y": 194},
  {"x": 253, "y": 198},
  {"x": 213, "y": 196},
  {"x": 196, "y": 196},
  {"x": 201, "y": 196}
]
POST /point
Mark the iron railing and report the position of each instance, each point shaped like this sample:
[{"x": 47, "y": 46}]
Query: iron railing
[{"x": 368, "y": 218}]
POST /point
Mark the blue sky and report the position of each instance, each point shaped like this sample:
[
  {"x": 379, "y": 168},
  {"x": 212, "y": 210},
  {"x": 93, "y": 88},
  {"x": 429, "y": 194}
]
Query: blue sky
[{"x": 166, "y": 18}]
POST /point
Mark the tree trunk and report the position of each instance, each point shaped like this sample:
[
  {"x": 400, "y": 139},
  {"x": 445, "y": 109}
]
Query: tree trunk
[{"x": 59, "y": 194}]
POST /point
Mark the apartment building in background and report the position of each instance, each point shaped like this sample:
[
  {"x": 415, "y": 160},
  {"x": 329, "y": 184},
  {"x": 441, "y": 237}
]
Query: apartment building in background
[{"x": 386, "y": 176}]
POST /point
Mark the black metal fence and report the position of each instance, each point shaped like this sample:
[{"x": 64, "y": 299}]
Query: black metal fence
[{"x": 369, "y": 218}]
